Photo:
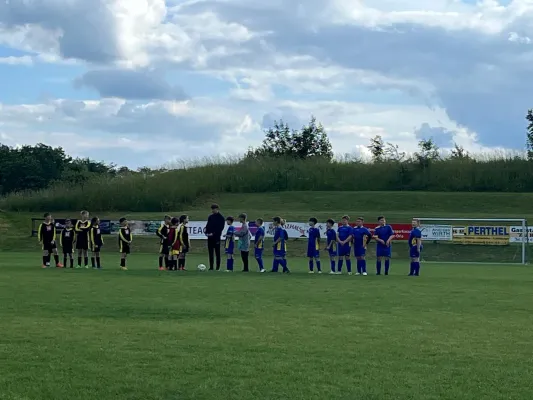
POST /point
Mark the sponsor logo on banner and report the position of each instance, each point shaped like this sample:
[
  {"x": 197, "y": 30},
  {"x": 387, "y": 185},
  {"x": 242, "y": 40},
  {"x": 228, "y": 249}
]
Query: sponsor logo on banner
[
  {"x": 481, "y": 235},
  {"x": 517, "y": 236},
  {"x": 437, "y": 232}
]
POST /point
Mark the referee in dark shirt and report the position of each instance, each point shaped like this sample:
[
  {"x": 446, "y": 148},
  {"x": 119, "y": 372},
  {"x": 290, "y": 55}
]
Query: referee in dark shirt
[{"x": 213, "y": 230}]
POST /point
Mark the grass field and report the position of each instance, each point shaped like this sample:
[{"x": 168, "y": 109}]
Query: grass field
[{"x": 457, "y": 332}]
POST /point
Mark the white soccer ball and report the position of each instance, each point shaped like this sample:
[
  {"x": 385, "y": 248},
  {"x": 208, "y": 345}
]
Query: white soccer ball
[{"x": 201, "y": 267}]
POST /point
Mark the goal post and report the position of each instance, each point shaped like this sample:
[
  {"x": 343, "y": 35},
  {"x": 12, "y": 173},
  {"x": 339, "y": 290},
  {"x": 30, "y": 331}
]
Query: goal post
[{"x": 475, "y": 240}]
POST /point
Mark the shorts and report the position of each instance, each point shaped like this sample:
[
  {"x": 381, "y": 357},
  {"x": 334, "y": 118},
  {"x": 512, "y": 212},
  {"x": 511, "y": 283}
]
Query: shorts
[
  {"x": 383, "y": 251},
  {"x": 164, "y": 249},
  {"x": 359, "y": 251},
  {"x": 414, "y": 253},
  {"x": 280, "y": 253},
  {"x": 96, "y": 248},
  {"x": 344, "y": 250},
  {"x": 230, "y": 249},
  {"x": 313, "y": 253},
  {"x": 68, "y": 249},
  {"x": 124, "y": 248},
  {"x": 174, "y": 252},
  {"x": 258, "y": 253},
  {"x": 49, "y": 246},
  {"x": 82, "y": 244},
  {"x": 184, "y": 249}
]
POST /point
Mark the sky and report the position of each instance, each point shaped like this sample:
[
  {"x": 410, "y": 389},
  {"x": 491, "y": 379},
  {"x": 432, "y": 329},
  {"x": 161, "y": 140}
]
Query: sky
[{"x": 146, "y": 82}]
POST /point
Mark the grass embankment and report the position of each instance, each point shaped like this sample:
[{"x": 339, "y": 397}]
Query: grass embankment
[{"x": 399, "y": 207}]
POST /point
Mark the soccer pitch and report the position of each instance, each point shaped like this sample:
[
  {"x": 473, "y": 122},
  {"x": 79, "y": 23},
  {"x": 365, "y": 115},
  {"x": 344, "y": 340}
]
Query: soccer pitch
[{"x": 456, "y": 332}]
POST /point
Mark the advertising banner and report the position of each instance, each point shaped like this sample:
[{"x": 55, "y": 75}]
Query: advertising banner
[
  {"x": 481, "y": 235},
  {"x": 437, "y": 232},
  {"x": 516, "y": 235}
]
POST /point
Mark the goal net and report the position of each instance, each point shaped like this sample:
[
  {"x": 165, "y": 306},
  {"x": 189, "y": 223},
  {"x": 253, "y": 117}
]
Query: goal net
[{"x": 460, "y": 240}]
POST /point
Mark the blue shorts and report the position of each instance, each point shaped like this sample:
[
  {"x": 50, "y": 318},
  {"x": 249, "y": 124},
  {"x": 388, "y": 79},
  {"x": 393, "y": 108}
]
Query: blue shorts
[
  {"x": 344, "y": 250},
  {"x": 383, "y": 251},
  {"x": 414, "y": 253},
  {"x": 359, "y": 251},
  {"x": 258, "y": 253},
  {"x": 313, "y": 252},
  {"x": 279, "y": 253},
  {"x": 229, "y": 249}
]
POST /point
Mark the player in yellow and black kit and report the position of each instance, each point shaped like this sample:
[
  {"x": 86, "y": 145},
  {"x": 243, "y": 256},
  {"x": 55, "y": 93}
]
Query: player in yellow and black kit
[
  {"x": 47, "y": 237},
  {"x": 83, "y": 226},
  {"x": 164, "y": 247},
  {"x": 124, "y": 242},
  {"x": 67, "y": 240},
  {"x": 185, "y": 244},
  {"x": 96, "y": 241}
]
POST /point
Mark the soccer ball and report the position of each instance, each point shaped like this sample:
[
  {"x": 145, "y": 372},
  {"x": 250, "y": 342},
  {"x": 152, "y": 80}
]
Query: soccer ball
[{"x": 201, "y": 267}]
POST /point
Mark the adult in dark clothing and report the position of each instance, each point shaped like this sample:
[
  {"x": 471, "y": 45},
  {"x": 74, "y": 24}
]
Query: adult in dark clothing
[{"x": 213, "y": 230}]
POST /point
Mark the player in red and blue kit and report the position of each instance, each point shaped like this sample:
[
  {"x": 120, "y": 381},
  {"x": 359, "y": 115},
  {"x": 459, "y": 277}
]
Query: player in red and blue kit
[
  {"x": 384, "y": 236},
  {"x": 361, "y": 238},
  {"x": 331, "y": 244},
  {"x": 280, "y": 247},
  {"x": 229, "y": 244},
  {"x": 344, "y": 238},
  {"x": 415, "y": 247},
  {"x": 313, "y": 246},
  {"x": 259, "y": 243}
]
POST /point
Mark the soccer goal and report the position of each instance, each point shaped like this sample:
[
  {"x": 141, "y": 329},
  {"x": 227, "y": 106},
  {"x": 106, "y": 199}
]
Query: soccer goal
[{"x": 462, "y": 240}]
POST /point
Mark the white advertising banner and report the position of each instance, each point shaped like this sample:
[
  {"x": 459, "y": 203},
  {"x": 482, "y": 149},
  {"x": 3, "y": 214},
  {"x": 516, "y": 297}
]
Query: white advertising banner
[
  {"x": 516, "y": 235},
  {"x": 437, "y": 232}
]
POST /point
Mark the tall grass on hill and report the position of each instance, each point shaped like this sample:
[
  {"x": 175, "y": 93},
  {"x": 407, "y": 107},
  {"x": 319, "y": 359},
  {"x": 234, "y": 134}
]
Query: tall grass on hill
[{"x": 179, "y": 188}]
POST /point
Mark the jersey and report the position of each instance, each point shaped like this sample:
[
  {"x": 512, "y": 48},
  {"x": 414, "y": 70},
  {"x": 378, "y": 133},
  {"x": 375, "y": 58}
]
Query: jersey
[
  {"x": 331, "y": 237},
  {"x": 183, "y": 237},
  {"x": 47, "y": 233},
  {"x": 344, "y": 232},
  {"x": 413, "y": 248},
  {"x": 67, "y": 239},
  {"x": 162, "y": 234},
  {"x": 259, "y": 242},
  {"x": 229, "y": 244},
  {"x": 280, "y": 248},
  {"x": 82, "y": 234},
  {"x": 125, "y": 238},
  {"x": 95, "y": 238},
  {"x": 361, "y": 238},
  {"x": 313, "y": 243},
  {"x": 384, "y": 233}
]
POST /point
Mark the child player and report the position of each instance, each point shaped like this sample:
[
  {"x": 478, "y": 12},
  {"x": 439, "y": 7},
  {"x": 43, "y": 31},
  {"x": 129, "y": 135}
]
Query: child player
[
  {"x": 331, "y": 248},
  {"x": 229, "y": 244},
  {"x": 280, "y": 248},
  {"x": 47, "y": 238},
  {"x": 96, "y": 241},
  {"x": 259, "y": 244},
  {"x": 313, "y": 246},
  {"x": 164, "y": 247},
  {"x": 175, "y": 245},
  {"x": 344, "y": 238},
  {"x": 361, "y": 238},
  {"x": 67, "y": 239},
  {"x": 82, "y": 228},
  {"x": 384, "y": 236},
  {"x": 125, "y": 237},
  {"x": 286, "y": 239},
  {"x": 415, "y": 247},
  {"x": 185, "y": 244}
]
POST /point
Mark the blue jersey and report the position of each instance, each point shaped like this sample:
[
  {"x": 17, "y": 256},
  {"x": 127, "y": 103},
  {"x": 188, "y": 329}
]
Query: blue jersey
[
  {"x": 361, "y": 236},
  {"x": 344, "y": 232},
  {"x": 230, "y": 238},
  {"x": 313, "y": 242},
  {"x": 413, "y": 236},
  {"x": 260, "y": 238},
  {"x": 331, "y": 237},
  {"x": 280, "y": 248},
  {"x": 384, "y": 233}
]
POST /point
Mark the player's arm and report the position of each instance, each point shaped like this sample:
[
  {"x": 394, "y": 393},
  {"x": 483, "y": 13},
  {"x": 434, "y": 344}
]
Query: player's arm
[
  {"x": 418, "y": 241},
  {"x": 91, "y": 237},
  {"x": 277, "y": 238},
  {"x": 54, "y": 233},
  {"x": 159, "y": 232},
  {"x": 40, "y": 233},
  {"x": 61, "y": 238},
  {"x": 122, "y": 237},
  {"x": 258, "y": 240},
  {"x": 391, "y": 237}
]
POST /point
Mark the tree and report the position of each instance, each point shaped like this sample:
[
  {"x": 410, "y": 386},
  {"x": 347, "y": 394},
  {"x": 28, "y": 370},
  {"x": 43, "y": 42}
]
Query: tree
[
  {"x": 393, "y": 153},
  {"x": 428, "y": 152},
  {"x": 529, "y": 141},
  {"x": 377, "y": 148},
  {"x": 458, "y": 152},
  {"x": 280, "y": 141}
]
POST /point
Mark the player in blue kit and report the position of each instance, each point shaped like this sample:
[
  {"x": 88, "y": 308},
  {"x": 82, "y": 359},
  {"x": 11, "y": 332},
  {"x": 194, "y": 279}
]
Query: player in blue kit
[
  {"x": 279, "y": 246},
  {"x": 259, "y": 243},
  {"x": 384, "y": 236},
  {"x": 229, "y": 244},
  {"x": 313, "y": 246},
  {"x": 415, "y": 247},
  {"x": 344, "y": 238},
  {"x": 361, "y": 238},
  {"x": 331, "y": 244}
]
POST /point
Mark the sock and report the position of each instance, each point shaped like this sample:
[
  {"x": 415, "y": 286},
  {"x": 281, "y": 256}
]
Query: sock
[
  {"x": 93, "y": 262},
  {"x": 360, "y": 266},
  {"x": 98, "y": 262},
  {"x": 387, "y": 266},
  {"x": 339, "y": 267},
  {"x": 260, "y": 263},
  {"x": 181, "y": 262},
  {"x": 48, "y": 258},
  {"x": 412, "y": 268},
  {"x": 175, "y": 264},
  {"x": 86, "y": 261},
  {"x": 417, "y": 268},
  {"x": 310, "y": 265},
  {"x": 79, "y": 261},
  {"x": 165, "y": 260},
  {"x": 122, "y": 262},
  {"x": 45, "y": 260},
  {"x": 349, "y": 265},
  {"x": 378, "y": 267},
  {"x": 363, "y": 266},
  {"x": 283, "y": 263},
  {"x": 161, "y": 261},
  {"x": 275, "y": 265},
  {"x": 332, "y": 262},
  {"x": 71, "y": 262},
  {"x": 318, "y": 266},
  {"x": 65, "y": 260},
  {"x": 229, "y": 264},
  {"x": 56, "y": 258}
]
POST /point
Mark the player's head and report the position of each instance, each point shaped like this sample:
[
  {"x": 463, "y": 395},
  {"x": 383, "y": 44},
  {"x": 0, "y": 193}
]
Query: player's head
[
  {"x": 282, "y": 222},
  {"x": 68, "y": 223},
  {"x": 174, "y": 221},
  {"x": 47, "y": 217},
  {"x": 243, "y": 217},
  {"x": 345, "y": 219},
  {"x": 382, "y": 221},
  {"x": 167, "y": 219},
  {"x": 230, "y": 220},
  {"x": 359, "y": 221},
  {"x": 259, "y": 222},
  {"x": 95, "y": 221},
  {"x": 313, "y": 221},
  {"x": 415, "y": 222},
  {"x": 184, "y": 219},
  {"x": 123, "y": 221},
  {"x": 84, "y": 215},
  {"x": 276, "y": 221},
  {"x": 215, "y": 208},
  {"x": 330, "y": 223}
]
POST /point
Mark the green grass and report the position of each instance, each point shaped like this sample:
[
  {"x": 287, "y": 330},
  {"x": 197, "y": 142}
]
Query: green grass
[{"x": 457, "y": 332}]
